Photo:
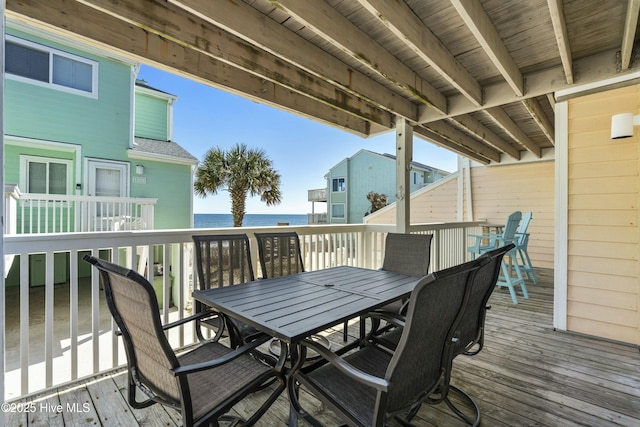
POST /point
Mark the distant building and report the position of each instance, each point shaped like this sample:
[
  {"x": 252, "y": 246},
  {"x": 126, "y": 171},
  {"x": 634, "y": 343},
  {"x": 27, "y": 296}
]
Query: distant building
[{"x": 349, "y": 182}]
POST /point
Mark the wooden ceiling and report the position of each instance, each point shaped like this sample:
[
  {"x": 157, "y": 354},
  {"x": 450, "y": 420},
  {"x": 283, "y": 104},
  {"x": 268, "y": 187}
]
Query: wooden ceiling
[{"x": 474, "y": 76}]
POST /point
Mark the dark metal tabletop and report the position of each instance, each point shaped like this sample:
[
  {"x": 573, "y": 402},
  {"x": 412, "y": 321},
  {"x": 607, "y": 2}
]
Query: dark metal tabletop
[{"x": 293, "y": 307}]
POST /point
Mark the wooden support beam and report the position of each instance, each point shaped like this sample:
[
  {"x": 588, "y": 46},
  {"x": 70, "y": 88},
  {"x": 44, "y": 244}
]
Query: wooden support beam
[
  {"x": 535, "y": 109},
  {"x": 455, "y": 135},
  {"x": 473, "y": 14},
  {"x": 594, "y": 68},
  {"x": 400, "y": 20},
  {"x": 552, "y": 101},
  {"x": 434, "y": 138},
  {"x": 404, "y": 156},
  {"x": 484, "y": 133},
  {"x": 195, "y": 33},
  {"x": 630, "y": 27},
  {"x": 340, "y": 32},
  {"x": 253, "y": 27},
  {"x": 503, "y": 120},
  {"x": 107, "y": 32},
  {"x": 562, "y": 37}
]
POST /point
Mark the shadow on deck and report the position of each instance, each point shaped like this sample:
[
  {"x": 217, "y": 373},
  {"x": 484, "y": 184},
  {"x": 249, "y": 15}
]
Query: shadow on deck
[{"x": 527, "y": 374}]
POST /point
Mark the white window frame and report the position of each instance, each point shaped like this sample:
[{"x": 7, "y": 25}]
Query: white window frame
[
  {"x": 108, "y": 164},
  {"x": 24, "y": 175},
  {"x": 343, "y": 210},
  {"x": 344, "y": 186},
  {"x": 51, "y": 51}
]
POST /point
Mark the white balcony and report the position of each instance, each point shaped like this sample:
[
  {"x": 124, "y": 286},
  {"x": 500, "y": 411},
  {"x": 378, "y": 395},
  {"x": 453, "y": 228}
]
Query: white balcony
[
  {"x": 49, "y": 213},
  {"x": 44, "y": 349}
]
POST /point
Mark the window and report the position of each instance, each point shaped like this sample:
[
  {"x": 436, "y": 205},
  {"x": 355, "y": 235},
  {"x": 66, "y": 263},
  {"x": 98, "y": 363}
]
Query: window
[
  {"x": 45, "y": 176},
  {"x": 42, "y": 65},
  {"x": 337, "y": 210},
  {"x": 338, "y": 185}
]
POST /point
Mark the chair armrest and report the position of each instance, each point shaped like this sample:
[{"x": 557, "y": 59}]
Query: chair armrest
[
  {"x": 347, "y": 369},
  {"x": 187, "y": 319},
  {"x": 396, "y": 319},
  {"x": 179, "y": 322},
  {"x": 238, "y": 352},
  {"x": 506, "y": 241}
]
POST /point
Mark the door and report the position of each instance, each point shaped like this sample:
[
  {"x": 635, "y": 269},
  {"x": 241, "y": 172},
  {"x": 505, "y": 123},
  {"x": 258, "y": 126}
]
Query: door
[{"x": 107, "y": 179}]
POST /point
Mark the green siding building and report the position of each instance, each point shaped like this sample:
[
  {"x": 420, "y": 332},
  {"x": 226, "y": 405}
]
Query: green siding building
[{"x": 78, "y": 123}]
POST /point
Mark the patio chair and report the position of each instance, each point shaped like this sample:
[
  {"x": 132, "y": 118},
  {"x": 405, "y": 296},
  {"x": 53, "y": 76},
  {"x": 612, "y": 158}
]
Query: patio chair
[
  {"x": 408, "y": 254},
  {"x": 223, "y": 260},
  {"x": 522, "y": 243},
  {"x": 471, "y": 328},
  {"x": 280, "y": 255},
  {"x": 204, "y": 383},
  {"x": 507, "y": 236},
  {"x": 372, "y": 385}
]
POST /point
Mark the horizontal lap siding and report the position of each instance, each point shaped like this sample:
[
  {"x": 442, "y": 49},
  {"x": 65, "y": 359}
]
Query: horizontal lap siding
[
  {"x": 438, "y": 203},
  {"x": 603, "y": 289},
  {"x": 500, "y": 190}
]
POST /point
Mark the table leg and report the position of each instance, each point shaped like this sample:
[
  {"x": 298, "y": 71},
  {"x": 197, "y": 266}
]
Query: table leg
[{"x": 298, "y": 356}]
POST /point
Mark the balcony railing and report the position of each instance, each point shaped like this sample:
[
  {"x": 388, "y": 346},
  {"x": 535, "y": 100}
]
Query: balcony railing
[
  {"x": 51, "y": 213},
  {"x": 317, "y": 218},
  {"x": 61, "y": 332}
]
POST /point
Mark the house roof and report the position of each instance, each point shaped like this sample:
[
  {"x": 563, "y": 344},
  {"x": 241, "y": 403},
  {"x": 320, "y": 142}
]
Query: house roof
[
  {"x": 390, "y": 157},
  {"x": 476, "y": 77},
  {"x": 167, "y": 151},
  {"x": 142, "y": 84},
  {"x": 419, "y": 165}
]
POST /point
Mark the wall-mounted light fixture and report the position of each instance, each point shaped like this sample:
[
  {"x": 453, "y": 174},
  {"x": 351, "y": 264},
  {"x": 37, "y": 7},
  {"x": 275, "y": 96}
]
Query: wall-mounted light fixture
[
  {"x": 139, "y": 169},
  {"x": 622, "y": 125}
]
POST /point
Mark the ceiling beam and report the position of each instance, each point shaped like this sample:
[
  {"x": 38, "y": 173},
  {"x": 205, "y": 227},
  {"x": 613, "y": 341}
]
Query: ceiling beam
[
  {"x": 485, "y": 32},
  {"x": 593, "y": 68},
  {"x": 482, "y": 132},
  {"x": 252, "y": 26},
  {"x": 106, "y": 32},
  {"x": 562, "y": 37},
  {"x": 552, "y": 101},
  {"x": 436, "y": 139},
  {"x": 179, "y": 26},
  {"x": 503, "y": 120},
  {"x": 340, "y": 32},
  {"x": 401, "y": 21},
  {"x": 447, "y": 131},
  {"x": 537, "y": 113},
  {"x": 630, "y": 26}
]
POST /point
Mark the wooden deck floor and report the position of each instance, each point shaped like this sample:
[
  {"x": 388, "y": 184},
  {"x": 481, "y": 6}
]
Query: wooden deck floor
[{"x": 526, "y": 375}]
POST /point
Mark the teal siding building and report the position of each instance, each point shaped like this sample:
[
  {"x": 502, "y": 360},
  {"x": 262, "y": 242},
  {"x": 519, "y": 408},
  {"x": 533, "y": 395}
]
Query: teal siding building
[
  {"x": 349, "y": 182},
  {"x": 78, "y": 123}
]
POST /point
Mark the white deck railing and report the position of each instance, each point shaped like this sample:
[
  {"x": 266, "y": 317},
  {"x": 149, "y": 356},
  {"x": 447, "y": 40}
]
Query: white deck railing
[
  {"x": 71, "y": 332},
  {"x": 49, "y": 213}
]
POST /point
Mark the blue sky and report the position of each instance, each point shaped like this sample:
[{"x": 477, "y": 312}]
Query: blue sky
[{"x": 302, "y": 150}]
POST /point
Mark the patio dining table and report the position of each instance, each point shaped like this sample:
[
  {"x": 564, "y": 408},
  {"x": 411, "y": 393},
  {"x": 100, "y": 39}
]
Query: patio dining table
[{"x": 291, "y": 308}]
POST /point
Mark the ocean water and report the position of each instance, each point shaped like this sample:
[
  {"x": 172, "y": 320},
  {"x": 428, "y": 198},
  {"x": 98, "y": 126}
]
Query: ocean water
[{"x": 250, "y": 220}]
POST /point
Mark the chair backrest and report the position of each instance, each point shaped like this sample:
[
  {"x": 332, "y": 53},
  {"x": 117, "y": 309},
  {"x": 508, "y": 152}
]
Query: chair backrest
[
  {"x": 471, "y": 327},
  {"x": 134, "y": 307},
  {"x": 408, "y": 254},
  {"x": 422, "y": 361},
  {"x": 511, "y": 226},
  {"x": 223, "y": 260},
  {"x": 521, "y": 234},
  {"x": 279, "y": 254}
]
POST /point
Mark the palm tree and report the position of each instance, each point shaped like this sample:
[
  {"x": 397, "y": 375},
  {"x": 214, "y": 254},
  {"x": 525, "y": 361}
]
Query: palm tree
[{"x": 241, "y": 171}]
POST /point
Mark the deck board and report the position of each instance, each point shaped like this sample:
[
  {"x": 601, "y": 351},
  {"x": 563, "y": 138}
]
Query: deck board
[{"x": 527, "y": 374}]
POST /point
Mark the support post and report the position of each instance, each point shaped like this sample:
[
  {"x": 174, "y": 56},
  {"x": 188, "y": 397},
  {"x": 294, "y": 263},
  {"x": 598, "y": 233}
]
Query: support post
[
  {"x": 404, "y": 155},
  {"x": 2, "y": 289}
]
